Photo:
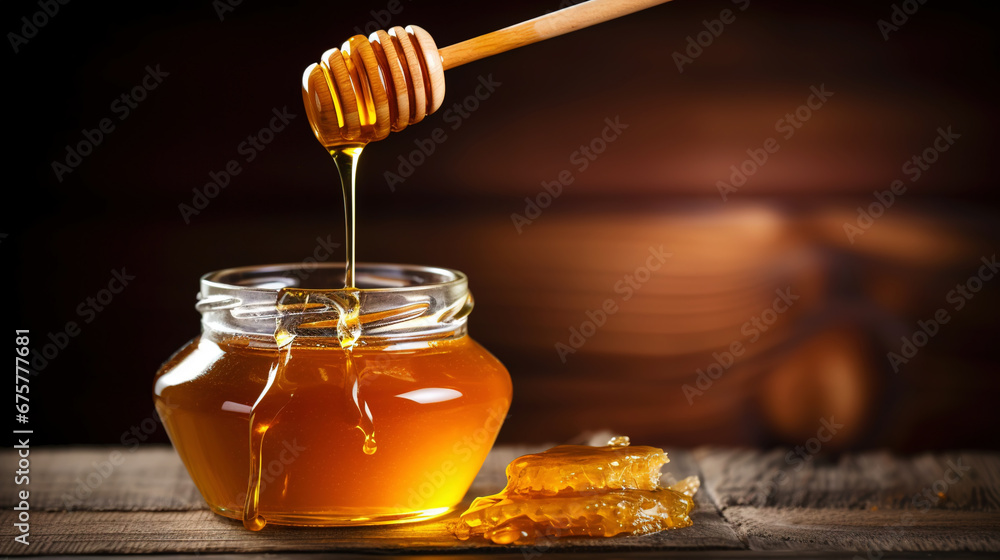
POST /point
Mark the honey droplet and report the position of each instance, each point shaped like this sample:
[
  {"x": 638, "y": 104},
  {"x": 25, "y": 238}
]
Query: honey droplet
[
  {"x": 255, "y": 523},
  {"x": 619, "y": 441},
  {"x": 370, "y": 447}
]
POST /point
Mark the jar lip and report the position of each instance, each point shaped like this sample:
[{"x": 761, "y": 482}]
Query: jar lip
[
  {"x": 271, "y": 278},
  {"x": 397, "y": 302}
]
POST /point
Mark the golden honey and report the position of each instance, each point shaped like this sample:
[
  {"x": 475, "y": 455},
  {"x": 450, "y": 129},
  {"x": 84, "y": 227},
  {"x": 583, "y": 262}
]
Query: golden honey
[
  {"x": 413, "y": 381},
  {"x": 583, "y": 491}
]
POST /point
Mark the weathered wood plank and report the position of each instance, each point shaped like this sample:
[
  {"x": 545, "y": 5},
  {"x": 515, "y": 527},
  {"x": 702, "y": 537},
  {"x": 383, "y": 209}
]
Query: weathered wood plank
[
  {"x": 114, "y": 532},
  {"x": 587, "y": 555},
  {"x": 969, "y": 481},
  {"x": 865, "y": 502},
  {"x": 149, "y": 505},
  {"x": 107, "y": 479},
  {"x": 582, "y": 554},
  {"x": 871, "y": 501},
  {"x": 865, "y": 531}
]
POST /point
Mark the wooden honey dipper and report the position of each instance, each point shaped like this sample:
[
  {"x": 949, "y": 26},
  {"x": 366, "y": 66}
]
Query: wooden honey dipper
[{"x": 372, "y": 86}]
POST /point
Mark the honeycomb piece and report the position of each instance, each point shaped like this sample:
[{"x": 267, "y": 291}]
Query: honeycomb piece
[
  {"x": 581, "y": 491},
  {"x": 581, "y": 468}
]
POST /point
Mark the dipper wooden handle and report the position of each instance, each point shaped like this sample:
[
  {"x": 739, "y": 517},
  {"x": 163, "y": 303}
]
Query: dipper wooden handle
[
  {"x": 544, "y": 27},
  {"x": 373, "y": 86}
]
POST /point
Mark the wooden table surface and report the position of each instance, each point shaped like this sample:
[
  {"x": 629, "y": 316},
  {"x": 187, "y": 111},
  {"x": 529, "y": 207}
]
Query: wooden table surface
[{"x": 752, "y": 504}]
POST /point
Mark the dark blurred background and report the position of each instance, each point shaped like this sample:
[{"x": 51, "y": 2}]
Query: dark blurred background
[{"x": 827, "y": 355}]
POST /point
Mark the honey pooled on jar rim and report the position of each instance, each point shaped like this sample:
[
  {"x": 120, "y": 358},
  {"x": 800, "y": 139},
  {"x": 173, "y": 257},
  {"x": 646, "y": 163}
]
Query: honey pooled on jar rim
[{"x": 581, "y": 491}]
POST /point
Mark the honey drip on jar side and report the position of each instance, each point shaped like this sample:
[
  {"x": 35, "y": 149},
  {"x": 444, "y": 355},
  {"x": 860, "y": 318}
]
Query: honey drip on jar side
[
  {"x": 298, "y": 309},
  {"x": 576, "y": 490}
]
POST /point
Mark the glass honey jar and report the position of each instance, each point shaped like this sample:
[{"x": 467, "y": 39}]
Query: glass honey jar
[{"x": 278, "y": 421}]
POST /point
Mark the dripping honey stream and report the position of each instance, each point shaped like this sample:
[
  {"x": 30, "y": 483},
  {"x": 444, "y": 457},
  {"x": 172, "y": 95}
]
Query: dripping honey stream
[
  {"x": 278, "y": 390},
  {"x": 291, "y": 304}
]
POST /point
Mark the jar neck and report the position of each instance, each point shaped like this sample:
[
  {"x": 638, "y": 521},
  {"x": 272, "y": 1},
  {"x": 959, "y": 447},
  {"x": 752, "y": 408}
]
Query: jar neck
[{"x": 397, "y": 305}]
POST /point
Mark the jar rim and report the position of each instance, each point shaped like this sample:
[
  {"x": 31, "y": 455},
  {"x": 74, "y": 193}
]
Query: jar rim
[
  {"x": 269, "y": 275},
  {"x": 398, "y": 302}
]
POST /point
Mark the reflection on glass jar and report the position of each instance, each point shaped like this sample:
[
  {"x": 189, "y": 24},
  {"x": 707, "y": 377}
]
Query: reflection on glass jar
[{"x": 391, "y": 429}]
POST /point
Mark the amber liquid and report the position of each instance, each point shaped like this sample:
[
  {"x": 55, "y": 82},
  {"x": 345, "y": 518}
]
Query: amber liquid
[
  {"x": 437, "y": 409},
  {"x": 296, "y": 307}
]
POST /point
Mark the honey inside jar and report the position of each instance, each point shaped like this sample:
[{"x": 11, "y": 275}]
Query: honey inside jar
[{"x": 434, "y": 397}]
